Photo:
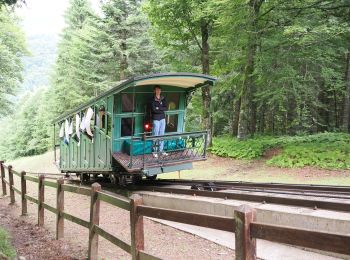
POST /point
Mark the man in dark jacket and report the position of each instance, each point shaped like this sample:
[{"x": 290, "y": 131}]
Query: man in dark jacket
[{"x": 158, "y": 105}]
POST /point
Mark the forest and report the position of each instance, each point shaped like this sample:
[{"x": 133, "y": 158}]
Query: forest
[{"x": 283, "y": 67}]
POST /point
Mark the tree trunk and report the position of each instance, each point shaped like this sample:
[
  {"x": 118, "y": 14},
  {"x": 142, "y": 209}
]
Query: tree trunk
[
  {"x": 235, "y": 117},
  {"x": 206, "y": 96},
  {"x": 346, "y": 111},
  {"x": 247, "y": 115},
  {"x": 123, "y": 62}
]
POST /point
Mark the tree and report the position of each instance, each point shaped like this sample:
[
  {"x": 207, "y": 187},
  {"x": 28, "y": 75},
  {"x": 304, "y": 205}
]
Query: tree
[
  {"x": 180, "y": 25},
  {"x": 12, "y": 49}
]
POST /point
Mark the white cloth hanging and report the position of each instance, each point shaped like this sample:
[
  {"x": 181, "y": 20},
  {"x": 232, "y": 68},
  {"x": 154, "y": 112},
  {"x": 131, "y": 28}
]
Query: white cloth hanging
[
  {"x": 77, "y": 124},
  {"x": 82, "y": 124},
  {"x": 70, "y": 130},
  {"x": 61, "y": 134},
  {"x": 89, "y": 115},
  {"x": 66, "y": 130}
]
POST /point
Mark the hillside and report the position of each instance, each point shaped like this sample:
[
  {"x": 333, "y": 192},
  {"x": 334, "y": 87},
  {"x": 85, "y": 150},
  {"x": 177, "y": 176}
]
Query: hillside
[{"x": 38, "y": 163}]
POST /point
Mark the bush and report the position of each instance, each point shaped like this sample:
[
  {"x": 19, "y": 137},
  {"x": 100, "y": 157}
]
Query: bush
[
  {"x": 5, "y": 245},
  {"x": 325, "y": 150}
]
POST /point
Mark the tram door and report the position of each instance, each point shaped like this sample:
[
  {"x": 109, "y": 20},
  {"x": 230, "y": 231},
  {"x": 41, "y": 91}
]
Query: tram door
[{"x": 100, "y": 136}]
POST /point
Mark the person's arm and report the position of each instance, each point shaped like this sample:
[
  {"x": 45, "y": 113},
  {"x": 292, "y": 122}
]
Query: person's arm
[
  {"x": 155, "y": 108},
  {"x": 164, "y": 106}
]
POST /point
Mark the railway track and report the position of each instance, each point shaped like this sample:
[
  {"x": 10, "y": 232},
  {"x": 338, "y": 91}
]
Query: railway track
[{"x": 335, "y": 198}]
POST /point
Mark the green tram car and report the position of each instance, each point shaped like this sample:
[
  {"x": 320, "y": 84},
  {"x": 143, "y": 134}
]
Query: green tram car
[{"x": 112, "y": 133}]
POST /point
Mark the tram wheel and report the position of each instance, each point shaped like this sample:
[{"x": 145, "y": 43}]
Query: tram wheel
[
  {"x": 151, "y": 178},
  {"x": 136, "y": 179},
  {"x": 84, "y": 177},
  {"x": 113, "y": 178}
]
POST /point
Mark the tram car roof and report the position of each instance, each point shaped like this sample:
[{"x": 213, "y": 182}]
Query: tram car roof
[{"x": 188, "y": 81}]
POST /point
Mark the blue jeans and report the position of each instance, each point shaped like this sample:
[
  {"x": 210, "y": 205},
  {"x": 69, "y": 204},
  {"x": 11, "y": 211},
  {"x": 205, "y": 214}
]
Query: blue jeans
[{"x": 159, "y": 129}]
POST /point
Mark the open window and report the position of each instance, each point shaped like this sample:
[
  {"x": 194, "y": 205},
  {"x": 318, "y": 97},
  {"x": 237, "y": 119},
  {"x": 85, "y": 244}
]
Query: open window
[{"x": 127, "y": 126}]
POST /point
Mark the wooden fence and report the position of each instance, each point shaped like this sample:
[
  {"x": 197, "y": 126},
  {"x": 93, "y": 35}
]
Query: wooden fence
[{"x": 244, "y": 224}]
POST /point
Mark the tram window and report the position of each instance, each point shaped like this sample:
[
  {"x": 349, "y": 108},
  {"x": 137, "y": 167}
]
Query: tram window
[
  {"x": 126, "y": 126},
  {"x": 171, "y": 123},
  {"x": 102, "y": 116},
  {"x": 109, "y": 124},
  {"x": 173, "y": 100},
  {"x": 127, "y": 103}
]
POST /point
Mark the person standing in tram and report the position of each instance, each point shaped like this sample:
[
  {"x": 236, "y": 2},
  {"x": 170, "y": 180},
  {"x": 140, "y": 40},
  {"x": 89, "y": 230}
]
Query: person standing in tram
[{"x": 158, "y": 107}]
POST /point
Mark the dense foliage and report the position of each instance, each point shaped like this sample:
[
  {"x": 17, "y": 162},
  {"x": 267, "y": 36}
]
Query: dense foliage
[
  {"x": 12, "y": 49},
  {"x": 283, "y": 68},
  {"x": 325, "y": 150}
]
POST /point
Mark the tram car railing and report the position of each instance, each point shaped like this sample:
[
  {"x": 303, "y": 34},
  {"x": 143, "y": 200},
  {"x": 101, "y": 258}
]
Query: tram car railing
[{"x": 146, "y": 151}]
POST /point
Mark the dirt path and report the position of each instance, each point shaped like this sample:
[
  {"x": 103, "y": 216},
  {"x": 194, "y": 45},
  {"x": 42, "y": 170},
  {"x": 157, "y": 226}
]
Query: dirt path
[
  {"x": 160, "y": 240},
  {"x": 32, "y": 242}
]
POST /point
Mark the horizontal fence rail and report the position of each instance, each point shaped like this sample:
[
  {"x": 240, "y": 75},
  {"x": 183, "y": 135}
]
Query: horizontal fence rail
[{"x": 244, "y": 224}]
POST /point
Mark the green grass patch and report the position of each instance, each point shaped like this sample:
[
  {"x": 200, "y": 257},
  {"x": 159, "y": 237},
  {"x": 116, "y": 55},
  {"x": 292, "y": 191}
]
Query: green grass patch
[
  {"x": 325, "y": 150},
  {"x": 5, "y": 245}
]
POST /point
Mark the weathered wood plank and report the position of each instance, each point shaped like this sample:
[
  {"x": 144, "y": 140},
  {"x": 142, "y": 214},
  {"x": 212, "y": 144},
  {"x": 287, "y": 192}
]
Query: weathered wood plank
[
  {"x": 7, "y": 182},
  {"x": 50, "y": 184},
  {"x": 115, "y": 201},
  {"x": 3, "y": 182},
  {"x": 245, "y": 244},
  {"x": 94, "y": 220},
  {"x": 41, "y": 198},
  {"x": 202, "y": 220},
  {"x": 18, "y": 191},
  {"x": 50, "y": 208},
  {"x": 60, "y": 209},
  {"x": 75, "y": 219},
  {"x": 12, "y": 191},
  {"x": 114, "y": 240},
  {"x": 16, "y": 173},
  {"x": 23, "y": 193},
  {"x": 136, "y": 224},
  {"x": 32, "y": 199},
  {"x": 30, "y": 178},
  {"x": 331, "y": 242},
  {"x": 145, "y": 256},
  {"x": 76, "y": 189}
]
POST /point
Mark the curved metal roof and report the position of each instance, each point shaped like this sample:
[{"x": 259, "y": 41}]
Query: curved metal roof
[{"x": 185, "y": 80}]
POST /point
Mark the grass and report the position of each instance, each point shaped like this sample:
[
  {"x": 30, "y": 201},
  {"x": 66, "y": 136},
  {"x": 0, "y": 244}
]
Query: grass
[
  {"x": 325, "y": 150},
  {"x": 5, "y": 245}
]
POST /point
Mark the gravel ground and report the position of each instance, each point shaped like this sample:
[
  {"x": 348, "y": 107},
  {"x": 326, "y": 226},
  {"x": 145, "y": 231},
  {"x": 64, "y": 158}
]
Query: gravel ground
[{"x": 160, "y": 240}]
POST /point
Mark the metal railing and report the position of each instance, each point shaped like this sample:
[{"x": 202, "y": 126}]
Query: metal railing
[{"x": 147, "y": 151}]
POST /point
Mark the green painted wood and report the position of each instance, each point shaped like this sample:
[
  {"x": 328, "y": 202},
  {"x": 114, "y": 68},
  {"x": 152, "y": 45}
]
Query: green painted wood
[
  {"x": 32, "y": 199},
  {"x": 16, "y": 173},
  {"x": 30, "y": 178},
  {"x": 76, "y": 189},
  {"x": 76, "y": 220},
  {"x": 115, "y": 201},
  {"x": 50, "y": 208},
  {"x": 144, "y": 256},
  {"x": 50, "y": 184},
  {"x": 114, "y": 240},
  {"x": 16, "y": 190}
]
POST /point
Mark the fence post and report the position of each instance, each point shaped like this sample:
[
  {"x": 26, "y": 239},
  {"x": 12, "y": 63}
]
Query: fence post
[
  {"x": 41, "y": 199},
  {"x": 136, "y": 222},
  {"x": 94, "y": 220},
  {"x": 4, "y": 193},
  {"x": 12, "y": 191},
  {"x": 245, "y": 244},
  {"x": 23, "y": 193},
  {"x": 60, "y": 209}
]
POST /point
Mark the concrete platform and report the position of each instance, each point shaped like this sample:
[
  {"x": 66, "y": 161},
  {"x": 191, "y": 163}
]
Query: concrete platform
[{"x": 319, "y": 220}]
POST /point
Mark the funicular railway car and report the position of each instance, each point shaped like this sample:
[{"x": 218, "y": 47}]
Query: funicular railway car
[{"x": 112, "y": 133}]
